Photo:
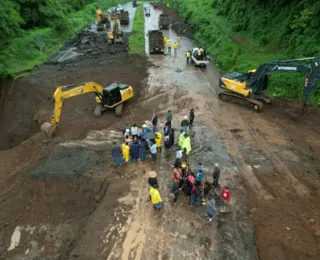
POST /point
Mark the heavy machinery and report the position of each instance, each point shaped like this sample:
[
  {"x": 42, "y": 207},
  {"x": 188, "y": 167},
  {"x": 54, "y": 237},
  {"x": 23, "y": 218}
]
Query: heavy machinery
[
  {"x": 124, "y": 17},
  {"x": 115, "y": 35},
  {"x": 156, "y": 44},
  {"x": 163, "y": 21},
  {"x": 134, "y": 3},
  {"x": 101, "y": 19},
  {"x": 147, "y": 11},
  {"x": 248, "y": 89},
  {"x": 110, "y": 97},
  {"x": 199, "y": 57}
]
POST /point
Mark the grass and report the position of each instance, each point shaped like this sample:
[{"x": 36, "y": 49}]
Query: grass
[
  {"x": 23, "y": 53},
  {"x": 136, "y": 40}
]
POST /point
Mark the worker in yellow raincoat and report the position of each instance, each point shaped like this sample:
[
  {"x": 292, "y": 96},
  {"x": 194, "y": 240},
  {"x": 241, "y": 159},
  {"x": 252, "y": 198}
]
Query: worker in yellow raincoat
[
  {"x": 175, "y": 47},
  {"x": 181, "y": 139},
  {"x": 169, "y": 46},
  {"x": 155, "y": 197},
  {"x": 187, "y": 144},
  {"x": 125, "y": 151},
  {"x": 158, "y": 141},
  {"x": 165, "y": 39}
]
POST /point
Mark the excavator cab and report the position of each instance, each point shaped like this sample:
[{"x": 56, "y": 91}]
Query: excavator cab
[{"x": 112, "y": 94}]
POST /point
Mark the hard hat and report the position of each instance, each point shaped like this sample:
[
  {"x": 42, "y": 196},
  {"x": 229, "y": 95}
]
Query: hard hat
[
  {"x": 152, "y": 174},
  {"x": 144, "y": 125},
  {"x": 217, "y": 165},
  {"x": 185, "y": 117},
  {"x": 127, "y": 130}
]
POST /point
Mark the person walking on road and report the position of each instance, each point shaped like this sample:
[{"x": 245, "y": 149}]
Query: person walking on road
[
  {"x": 185, "y": 124},
  {"x": 125, "y": 151},
  {"x": 169, "y": 118},
  {"x": 117, "y": 155},
  {"x": 166, "y": 130},
  {"x": 155, "y": 197},
  {"x": 152, "y": 180},
  {"x": 188, "y": 54},
  {"x": 134, "y": 151},
  {"x": 169, "y": 47},
  {"x": 216, "y": 176},
  {"x": 175, "y": 47},
  {"x": 191, "y": 117},
  {"x": 154, "y": 121}
]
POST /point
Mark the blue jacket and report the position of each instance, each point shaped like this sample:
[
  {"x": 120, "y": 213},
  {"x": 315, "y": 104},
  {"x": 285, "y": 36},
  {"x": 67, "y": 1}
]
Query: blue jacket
[{"x": 134, "y": 150}]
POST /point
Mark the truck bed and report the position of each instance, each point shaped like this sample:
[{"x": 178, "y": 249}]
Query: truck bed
[
  {"x": 156, "y": 41},
  {"x": 200, "y": 63}
]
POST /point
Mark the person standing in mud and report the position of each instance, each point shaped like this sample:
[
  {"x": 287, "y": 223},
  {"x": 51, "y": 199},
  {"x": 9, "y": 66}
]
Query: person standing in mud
[
  {"x": 142, "y": 150},
  {"x": 116, "y": 154},
  {"x": 153, "y": 151},
  {"x": 216, "y": 176},
  {"x": 155, "y": 197},
  {"x": 154, "y": 121},
  {"x": 171, "y": 138},
  {"x": 134, "y": 132},
  {"x": 125, "y": 151},
  {"x": 191, "y": 117},
  {"x": 169, "y": 118},
  {"x": 134, "y": 151},
  {"x": 176, "y": 178},
  {"x": 185, "y": 125}
]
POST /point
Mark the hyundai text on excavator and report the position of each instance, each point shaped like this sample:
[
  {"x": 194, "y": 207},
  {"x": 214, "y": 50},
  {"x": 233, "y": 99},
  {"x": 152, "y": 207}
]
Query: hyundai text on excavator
[
  {"x": 248, "y": 89},
  {"x": 110, "y": 97}
]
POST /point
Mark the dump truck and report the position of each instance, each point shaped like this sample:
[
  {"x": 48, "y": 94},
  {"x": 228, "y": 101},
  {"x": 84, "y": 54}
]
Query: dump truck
[
  {"x": 199, "y": 57},
  {"x": 147, "y": 11},
  {"x": 163, "y": 21},
  {"x": 134, "y": 4},
  {"x": 124, "y": 17},
  {"x": 156, "y": 44}
]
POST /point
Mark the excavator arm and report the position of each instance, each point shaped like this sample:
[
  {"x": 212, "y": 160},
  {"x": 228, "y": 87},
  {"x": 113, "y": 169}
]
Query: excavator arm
[
  {"x": 258, "y": 81},
  {"x": 70, "y": 91}
]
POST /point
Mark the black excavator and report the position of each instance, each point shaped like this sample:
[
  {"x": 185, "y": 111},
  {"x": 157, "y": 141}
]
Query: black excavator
[{"x": 248, "y": 89}]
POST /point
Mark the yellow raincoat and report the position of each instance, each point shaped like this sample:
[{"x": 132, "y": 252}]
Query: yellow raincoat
[
  {"x": 187, "y": 144},
  {"x": 158, "y": 139},
  {"x": 175, "y": 45},
  {"x": 125, "y": 152},
  {"x": 181, "y": 140},
  {"x": 165, "y": 39},
  {"x": 155, "y": 196}
]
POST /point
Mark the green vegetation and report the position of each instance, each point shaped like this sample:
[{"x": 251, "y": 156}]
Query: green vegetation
[
  {"x": 136, "y": 40},
  {"x": 242, "y": 34},
  {"x": 33, "y": 30}
]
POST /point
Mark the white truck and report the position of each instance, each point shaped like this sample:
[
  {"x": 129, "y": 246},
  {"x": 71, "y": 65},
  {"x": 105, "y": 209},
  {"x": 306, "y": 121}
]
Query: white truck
[{"x": 199, "y": 57}]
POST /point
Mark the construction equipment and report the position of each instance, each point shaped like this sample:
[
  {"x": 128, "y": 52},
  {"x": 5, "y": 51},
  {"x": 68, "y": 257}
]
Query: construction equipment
[
  {"x": 248, "y": 89},
  {"x": 164, "y": 21},
  {"x": 134, "y": 3},
  {"x": 101, "y": 20},
  {"x": 199, "y": 57},
  {"x": 156, "y": 44},
  {"x": 147, "y": 11},
  {"x": 124, "y": 17},
  {"x": 115, "y": 35},
  {"x": 111, "y": 97}
]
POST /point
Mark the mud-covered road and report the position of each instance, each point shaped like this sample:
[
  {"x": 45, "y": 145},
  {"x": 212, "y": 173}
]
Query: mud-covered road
[{"x": 62, "y": 199}]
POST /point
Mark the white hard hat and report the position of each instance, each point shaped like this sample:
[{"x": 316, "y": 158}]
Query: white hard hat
[
  {"x": 217, "y": 165},
  {"x": 144, "y": 125},
  {"x": 185, "y": 117},
  {"x": 127, "y": 130}
]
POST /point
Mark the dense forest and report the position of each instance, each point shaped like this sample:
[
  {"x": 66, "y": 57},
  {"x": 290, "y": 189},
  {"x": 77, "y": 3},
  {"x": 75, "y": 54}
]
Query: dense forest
[
  {"x": 30, "y": 30},
  {"x": 242, "y": 34}
]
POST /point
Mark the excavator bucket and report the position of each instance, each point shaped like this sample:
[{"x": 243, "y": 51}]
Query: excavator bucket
[{"x": 48, "y": 128}]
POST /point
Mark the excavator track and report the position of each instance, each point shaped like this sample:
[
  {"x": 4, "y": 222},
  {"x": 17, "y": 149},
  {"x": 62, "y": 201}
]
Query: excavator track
[{"x": 248, "y": 103}]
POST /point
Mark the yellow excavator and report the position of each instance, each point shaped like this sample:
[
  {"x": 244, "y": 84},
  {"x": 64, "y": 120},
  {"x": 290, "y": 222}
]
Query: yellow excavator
[
  {"x": 248, "y": 89},
  {"x": 110, "y": 97},
  {"x": 101, "y": 19},
  {"x": 115, "y": 35}
]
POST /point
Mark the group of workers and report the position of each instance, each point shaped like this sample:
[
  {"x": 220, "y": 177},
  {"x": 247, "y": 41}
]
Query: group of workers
[{"x": 169, "y": 44}]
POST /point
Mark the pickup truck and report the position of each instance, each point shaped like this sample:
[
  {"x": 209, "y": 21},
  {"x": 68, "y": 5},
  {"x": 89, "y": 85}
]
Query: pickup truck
[
  {"x": 124, "y": 17},
  {"x": 199, "y": 60},
  {"x": 156, "y": 44},
  {"x": 163, "y": 21}
]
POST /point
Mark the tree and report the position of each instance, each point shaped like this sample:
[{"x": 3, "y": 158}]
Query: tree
[{"x": 10, "y": 19}]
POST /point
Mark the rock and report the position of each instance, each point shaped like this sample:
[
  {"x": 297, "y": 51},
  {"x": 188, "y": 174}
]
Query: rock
[
  {"x": 311, "y": 220},
  {"x": 317, "y": 233},
  {"x": 268, "y": 197},
  {"x": 288, "y": 228},
  {"x": 253, "y": 210}
]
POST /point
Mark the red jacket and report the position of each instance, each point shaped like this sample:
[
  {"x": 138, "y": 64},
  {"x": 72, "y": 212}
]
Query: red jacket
[{"x": 225, "y": 195}]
